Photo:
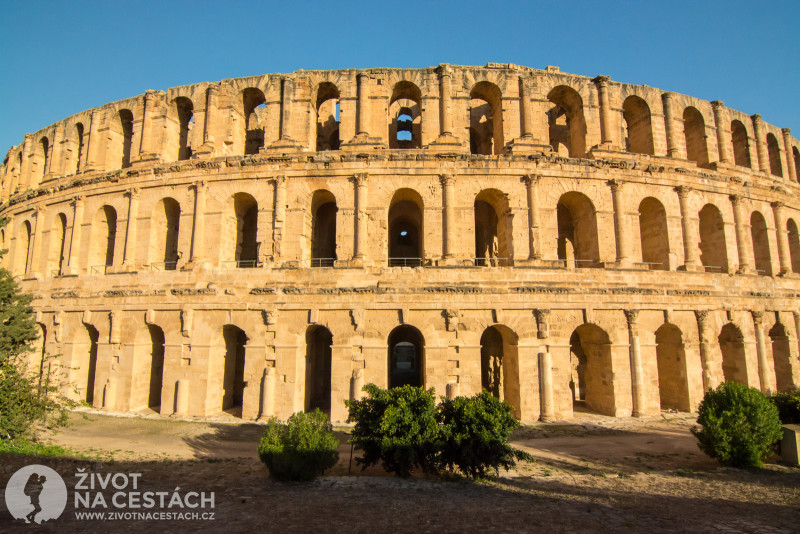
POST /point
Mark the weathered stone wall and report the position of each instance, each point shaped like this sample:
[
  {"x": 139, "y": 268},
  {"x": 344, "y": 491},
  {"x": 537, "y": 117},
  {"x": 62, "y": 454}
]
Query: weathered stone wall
[{"x": 536, "y": 233}]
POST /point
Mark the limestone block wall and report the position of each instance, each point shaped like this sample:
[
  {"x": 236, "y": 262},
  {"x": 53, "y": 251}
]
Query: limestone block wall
[{"x": 270, "y": 244}]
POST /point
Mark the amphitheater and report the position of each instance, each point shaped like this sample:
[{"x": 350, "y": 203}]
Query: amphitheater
[{"x": 266, "y": 245}]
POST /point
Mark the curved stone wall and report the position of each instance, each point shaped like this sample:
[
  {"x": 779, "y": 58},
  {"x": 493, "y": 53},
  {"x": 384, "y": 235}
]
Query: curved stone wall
[{"x": 267, "y": 245}]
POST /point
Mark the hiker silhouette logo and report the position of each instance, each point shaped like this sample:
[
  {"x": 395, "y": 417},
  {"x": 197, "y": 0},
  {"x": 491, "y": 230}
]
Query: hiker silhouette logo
[{"x": 35, "y": 494}]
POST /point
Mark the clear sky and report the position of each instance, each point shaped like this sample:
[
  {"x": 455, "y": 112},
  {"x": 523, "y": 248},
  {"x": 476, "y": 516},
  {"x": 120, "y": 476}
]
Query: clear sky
[{"x": 59, "y": 58}]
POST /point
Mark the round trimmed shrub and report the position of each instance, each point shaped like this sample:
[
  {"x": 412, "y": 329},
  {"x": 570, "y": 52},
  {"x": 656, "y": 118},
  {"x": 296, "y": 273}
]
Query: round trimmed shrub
[
  {"x": 739, "y": 425},
  {"x": 302, "y": 449},
  {"x": 788, "y": 405}
]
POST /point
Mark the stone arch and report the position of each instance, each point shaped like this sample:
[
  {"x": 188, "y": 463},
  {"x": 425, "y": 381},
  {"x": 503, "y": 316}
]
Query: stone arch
[
  {"x": 566, "y": 122},
  {"x": 493, "y": 232},
  {"x": 639, "y": 129},
  {"x": 323, "y": 228},
  {"x": 235, "y": 340},
  {"x": 486, "y": 119},
  {"x": 794, "y": 244},
  {"x": 185, "y": 111},
  {"x": 694, "y": 131},
  {"x": 781, "y": 357},
  {"x": 673, "y": 386},
  {"x": 577, "y": 230},
  {"x": 328, "y": 117},
  {"x": 654, "y": 234},
  {"x": 760, "y": 239},
  {"x": 406, "y": 357},
  {"x": 241, "y": 235},
  {"x": 405, "y": 116},
  {"x": 58, "y": 237},
  {"x": 318, "y": 368},
  {"x": 22, "y": 248},
  {"x": 164, "y": 232},
  {"x": 592, "y": 377},
  {"x": 713, "y": 249},
  {"x": 741, "y": 145},
  {"x": 734, "y": 361},
  {"x": 254, "y": 113},
  {"x": 125, "y": 118},
  {"x": 84, "y": 362},
  {"x": 406, "y": 229},
  {"x": 774, "y": 152},
  {"x": 43, "y": 158},
  {"x": 103, "y": 238},
  {"x": 500, "y": 365}
]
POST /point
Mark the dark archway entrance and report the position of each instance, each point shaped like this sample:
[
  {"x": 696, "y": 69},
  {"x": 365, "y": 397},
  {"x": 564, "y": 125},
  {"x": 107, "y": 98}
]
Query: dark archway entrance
[
  {"x": 233, "y": 378},
  {"x": 318, "y": 368},
  {"x": 406, "y": 357}
]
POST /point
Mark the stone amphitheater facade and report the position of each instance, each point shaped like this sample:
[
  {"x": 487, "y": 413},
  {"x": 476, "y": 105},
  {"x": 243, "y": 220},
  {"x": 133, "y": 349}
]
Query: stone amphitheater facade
[{"x": 269, "y": 244}]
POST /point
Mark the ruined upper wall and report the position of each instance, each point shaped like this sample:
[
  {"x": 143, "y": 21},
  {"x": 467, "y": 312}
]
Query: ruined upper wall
[{"x": 494, "y": 110}]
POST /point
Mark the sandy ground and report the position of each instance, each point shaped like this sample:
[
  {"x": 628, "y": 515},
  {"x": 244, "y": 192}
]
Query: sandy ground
[{"x": 595, "y": 474}]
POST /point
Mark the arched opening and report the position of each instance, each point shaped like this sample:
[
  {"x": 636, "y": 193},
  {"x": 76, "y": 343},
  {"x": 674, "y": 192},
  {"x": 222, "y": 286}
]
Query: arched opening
[
  {"x": 406, "y": 357},
  {"x": 493, "y": 241},
  {"x": 185, "y": 110},
  {"x": 694, "y": 131},
  {"x": 165, "y": 227},
  {"x": 323, "y": 229},
  {"x": 673, "y": 387},
  {"x": 79, "y": 152},
  {"x": 592, "y": 377},
  {"x": 405, "y": 116},
  {"x": 796, "y": 155},
  {"x": 577, "y": 230},
  {"x": 58, "y": 235},
  {"x": 639, "y": 130},
  {"x": 500, "y": 365},
  {"x": 328, "y": 117},
  {"x": 45, "y": 153},
  {"x": 86, "y": 352},
  {"x": 405, "y": 229},
  {"x": 104, "y": 236},
  {"x": 567, "y": 124},
  {"x": 486, "y": 119},
  {"x": 794, "y": 244},
  {"x": 23, "y": 249},
  {"x": 761, "y": 255},
  {"x": 245, "y": 211},
  {"x": 781, "y": 357},
  {"x": 654, "y": 234},
  {"x": 156, "y": 367},
  {"x": 734, "y": 363},
  {"x": 255, "y": 114},
  {"x": 741, "y": 146},
  {"x": 318, "y": 368},
  {"x": 126, "y": 125},
  {"x": 775, "y": 167},
  {"x": 233, "y": 374},
  {"x": 713, "y": 249}
]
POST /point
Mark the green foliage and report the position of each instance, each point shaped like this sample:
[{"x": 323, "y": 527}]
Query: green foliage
[
  {"x": 739, "y": 425},
  {"x": 398, "y": 427},
  {"x": 476, "y": 431},
  {"x": 300, "y": 450},
  {"x": 22, "y": 447},
  {"x": 788, "y": 405}
]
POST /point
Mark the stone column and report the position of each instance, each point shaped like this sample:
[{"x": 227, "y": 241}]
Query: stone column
[
  {"x": 36, "y": 246},
  {"x": 211, "y": 121},
  {"x": 268, "y": 394},
  {"x": 605, "y": 109},
  {"x": 782, "y": 238},
  {"x": 362, "y": 103},
  {"x": 56, "y": 160},
  {"x": 534, "y": 246},
  {"x": 669, "y": 120},
  {"x": 546, "y": 386},
  {"x": 146, "y": 145},
  {"x": 637, "y": 372},
  {"x": 723, "y": 141},
  {"x": 703, "y": 329},
  {"x": 93, "y": 142},
  {"x": 691, "y": 252},
  {"x": 25, "y": 174},
  {"x": 761, "y": 144},
  {"x": 741, "y": 235},
  {"x": 526, "y": 116},
  {"x": 73, "y": 264},
  {"x": 198, "y": 223},
  {"x": 286, "y": 108},
  {"x": 360, "y": 181},
  {"x": 787, "y": 145},
  {"x": 445, "y": 122},
  {"x": 449, "y": 215},
  {"x": 129, "y": 262},
  {"x": 279, "y": 217},
  {"x": 761, "y": 349},
  {"x": 620, "y": 222}
]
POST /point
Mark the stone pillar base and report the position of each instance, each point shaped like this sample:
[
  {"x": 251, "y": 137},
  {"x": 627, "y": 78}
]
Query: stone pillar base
[
  {"x": 363, "y": 141},
  {"x": 447, "y": 143},
  {"x": 527, "y": 145}
]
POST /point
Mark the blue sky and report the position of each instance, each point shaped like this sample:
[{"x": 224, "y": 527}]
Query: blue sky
[{"x": 59, "y": 58}]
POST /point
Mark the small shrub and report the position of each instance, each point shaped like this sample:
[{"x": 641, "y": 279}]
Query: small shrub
[
  {"x": 397, "y": 427},
  {"x": 476, "y": 431},
  {"x": 739, "y": 425},
  {"x": 788, "y": 405},
  {"x": 300, "y": 450}
]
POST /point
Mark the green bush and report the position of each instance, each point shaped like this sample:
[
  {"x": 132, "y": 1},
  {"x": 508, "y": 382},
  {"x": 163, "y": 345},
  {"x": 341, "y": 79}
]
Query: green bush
[
  {"x": 739, "y": 425},
  {"x": 300, "y": 450},
  {"x": 476, "y": 431},
  {"x": 398, "y": 427},
  {"x": 788, "y": 405}
]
